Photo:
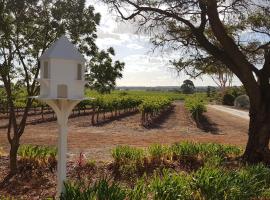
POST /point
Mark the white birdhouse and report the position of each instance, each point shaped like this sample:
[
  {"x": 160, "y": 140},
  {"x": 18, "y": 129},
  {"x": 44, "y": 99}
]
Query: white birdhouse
[
  {"x": 62, "y": 71},
  {"x": 62, "y": 87}
]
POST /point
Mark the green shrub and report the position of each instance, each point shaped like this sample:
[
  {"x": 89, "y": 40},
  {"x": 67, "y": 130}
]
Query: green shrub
[
  {"x": 127, "y": 154},
  {"x": 213, "y": 149},
  {"x": 235, "y": 91},
  {"x": 6, "y": 198},
  {"x": 212, "y": 183},
  {"x": 184, "y": 149},
  {"x": 158, "y": 152},
  {"x": 228, "y": 100},
  {"x": 217, "y": 183},
  {"x": 91, "y": 163},
  {"x": 36, "y": 151},
  {"x": 242, "y": 101},
  {"x": 171, "y": 186},
  {"x": 106, "y": 191},
  {"x": 139, "y": 191},
  {"x": 196, "y": 106},
  {"x": 101, "y": 190},
  {"x": 41, "y": 155},
  {"x": 127, "y": 160},
  {"x": 230, "y": 95}
]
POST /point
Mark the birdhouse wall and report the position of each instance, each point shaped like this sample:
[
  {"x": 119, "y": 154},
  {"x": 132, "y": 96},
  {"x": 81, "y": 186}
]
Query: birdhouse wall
[
  {"x": 45, "y": 76},
  {"x": 44, "y": 89},
  {"x": 65, "y": 72}
]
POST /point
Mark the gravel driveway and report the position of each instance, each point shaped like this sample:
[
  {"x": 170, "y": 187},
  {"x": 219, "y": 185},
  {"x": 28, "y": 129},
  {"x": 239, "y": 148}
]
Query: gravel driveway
[{"x": 235, "y": 112}]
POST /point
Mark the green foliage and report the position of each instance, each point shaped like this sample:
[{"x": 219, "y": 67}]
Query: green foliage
[
  {"x": 185, "y": 149},
  {"x": 127, "y": 154},
  {"x": 188, "y": 87},
  {"x": 154, "y": 104},
  {"x": 213, "y": 180},
  {"x": 246, "y": 183},
  {"x": 231, "y": 94},
  {"x": 228, "y": 100},
  {"x": 214, "y": 149},
  {"x": 91, "y": 163},
  {"x": 103, "y": 72},
  {"x": 41, "y": 155},
  {"x": 110, "y": 103},
  {"x": 172, "y": 186},
  {"x": 6, "y": 198},
  {"x": 36, "y": 152},
  {"x": 236, "y": 91},
  {"x": 151, "y": 104},
  {"x": 127, "y": 160},
  {"x": 242, "y": 101},
  {"x": 196, "y": 105},
  {"x": 139, "y": 191},
  {"x": 158, "y": 152},
  {"x": 101, "y": 190}
]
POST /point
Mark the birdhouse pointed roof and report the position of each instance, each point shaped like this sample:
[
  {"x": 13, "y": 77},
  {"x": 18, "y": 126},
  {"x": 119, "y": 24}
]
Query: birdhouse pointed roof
[{"x": 63, "y": 49}]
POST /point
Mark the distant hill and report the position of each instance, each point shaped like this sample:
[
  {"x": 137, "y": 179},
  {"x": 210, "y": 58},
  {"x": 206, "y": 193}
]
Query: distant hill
[{"x": 162, "y": 88}]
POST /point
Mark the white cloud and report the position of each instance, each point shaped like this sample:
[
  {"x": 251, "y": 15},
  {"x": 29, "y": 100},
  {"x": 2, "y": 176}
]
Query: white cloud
[{"x": 134, "y": 46}]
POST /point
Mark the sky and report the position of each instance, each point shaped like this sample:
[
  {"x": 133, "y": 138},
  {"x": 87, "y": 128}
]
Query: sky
[{"x": 143, "y": 67}]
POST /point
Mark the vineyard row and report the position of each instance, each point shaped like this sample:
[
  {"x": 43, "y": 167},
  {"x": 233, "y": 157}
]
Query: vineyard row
[{"x": 102, "y": 109}]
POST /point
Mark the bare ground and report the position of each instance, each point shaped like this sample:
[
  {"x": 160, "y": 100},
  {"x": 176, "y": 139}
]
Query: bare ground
[{"x": 97, "y": 141}]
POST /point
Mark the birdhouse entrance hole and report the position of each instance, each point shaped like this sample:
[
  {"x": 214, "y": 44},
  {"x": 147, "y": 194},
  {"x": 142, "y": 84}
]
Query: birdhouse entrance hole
[{"x": 62, "y": 91}]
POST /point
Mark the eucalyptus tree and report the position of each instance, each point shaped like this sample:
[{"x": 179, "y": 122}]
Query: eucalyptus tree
[
  {"x": 220, "y": 74},
  {"x": 27, "y": 28},
  {"x": 188, "y": 87},
  {"x": 234, "y": 32},
  {"x": 103, "y": 72}
]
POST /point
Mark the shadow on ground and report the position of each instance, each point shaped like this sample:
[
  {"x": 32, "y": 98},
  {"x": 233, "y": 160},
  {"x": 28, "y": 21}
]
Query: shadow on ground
[
  {"x": 208, "y": 125},
  {"x": 103, "y": 121},
  {"x": 161, "y": 119}
]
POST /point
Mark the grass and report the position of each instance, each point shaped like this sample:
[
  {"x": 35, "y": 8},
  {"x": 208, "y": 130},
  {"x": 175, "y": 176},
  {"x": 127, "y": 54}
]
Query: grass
[
  {"x": 213, "y": 180},
  {"x": 245, "y": 183},
  {"x": 126, "y": 154},
  {"x": 128, "y": 160},
  {"x": 171, "y": 185},
  {"x": 102, "y": 189},
  {"x": 6, "y": 198},
  {"x": 38, "y": 156},
  {"x": 216, "y": 178},
  {"x": 159, "y": 152}
]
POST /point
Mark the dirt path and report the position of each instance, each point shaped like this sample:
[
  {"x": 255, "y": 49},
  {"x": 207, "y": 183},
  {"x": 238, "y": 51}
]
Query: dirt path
[
  {"x": 235, "y": 112},
  {"x": 97, "y": 141}
]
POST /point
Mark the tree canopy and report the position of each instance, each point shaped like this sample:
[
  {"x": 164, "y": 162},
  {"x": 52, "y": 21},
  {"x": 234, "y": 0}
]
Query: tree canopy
[
  {"x": 103, "y": 72},
  {"x": 188, "y": 87}
]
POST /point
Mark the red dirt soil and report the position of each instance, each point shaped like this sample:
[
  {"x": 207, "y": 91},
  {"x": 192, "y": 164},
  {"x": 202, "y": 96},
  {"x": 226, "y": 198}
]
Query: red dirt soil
[{"x": 97, "y": 141}]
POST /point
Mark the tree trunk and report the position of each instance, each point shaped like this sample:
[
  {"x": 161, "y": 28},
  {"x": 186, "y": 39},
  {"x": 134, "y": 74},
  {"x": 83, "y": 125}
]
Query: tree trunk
[
  {"x": 257, "y": 149},
  {"x": 93, "y": 116},
  {"x": 13, "y": 157}
]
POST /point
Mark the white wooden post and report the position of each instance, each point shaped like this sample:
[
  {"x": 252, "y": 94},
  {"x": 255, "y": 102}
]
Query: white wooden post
[
  {"x": 62, "y": 108},
  {"x": 62, "y": 152}
]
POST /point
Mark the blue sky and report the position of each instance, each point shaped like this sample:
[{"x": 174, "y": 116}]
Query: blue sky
[{"x": 143, "y": 66}]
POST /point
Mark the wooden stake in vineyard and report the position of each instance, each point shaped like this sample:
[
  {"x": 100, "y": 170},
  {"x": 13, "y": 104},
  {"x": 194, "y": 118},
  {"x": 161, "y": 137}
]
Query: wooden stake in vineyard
[{"x": 62, "y": 88}]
